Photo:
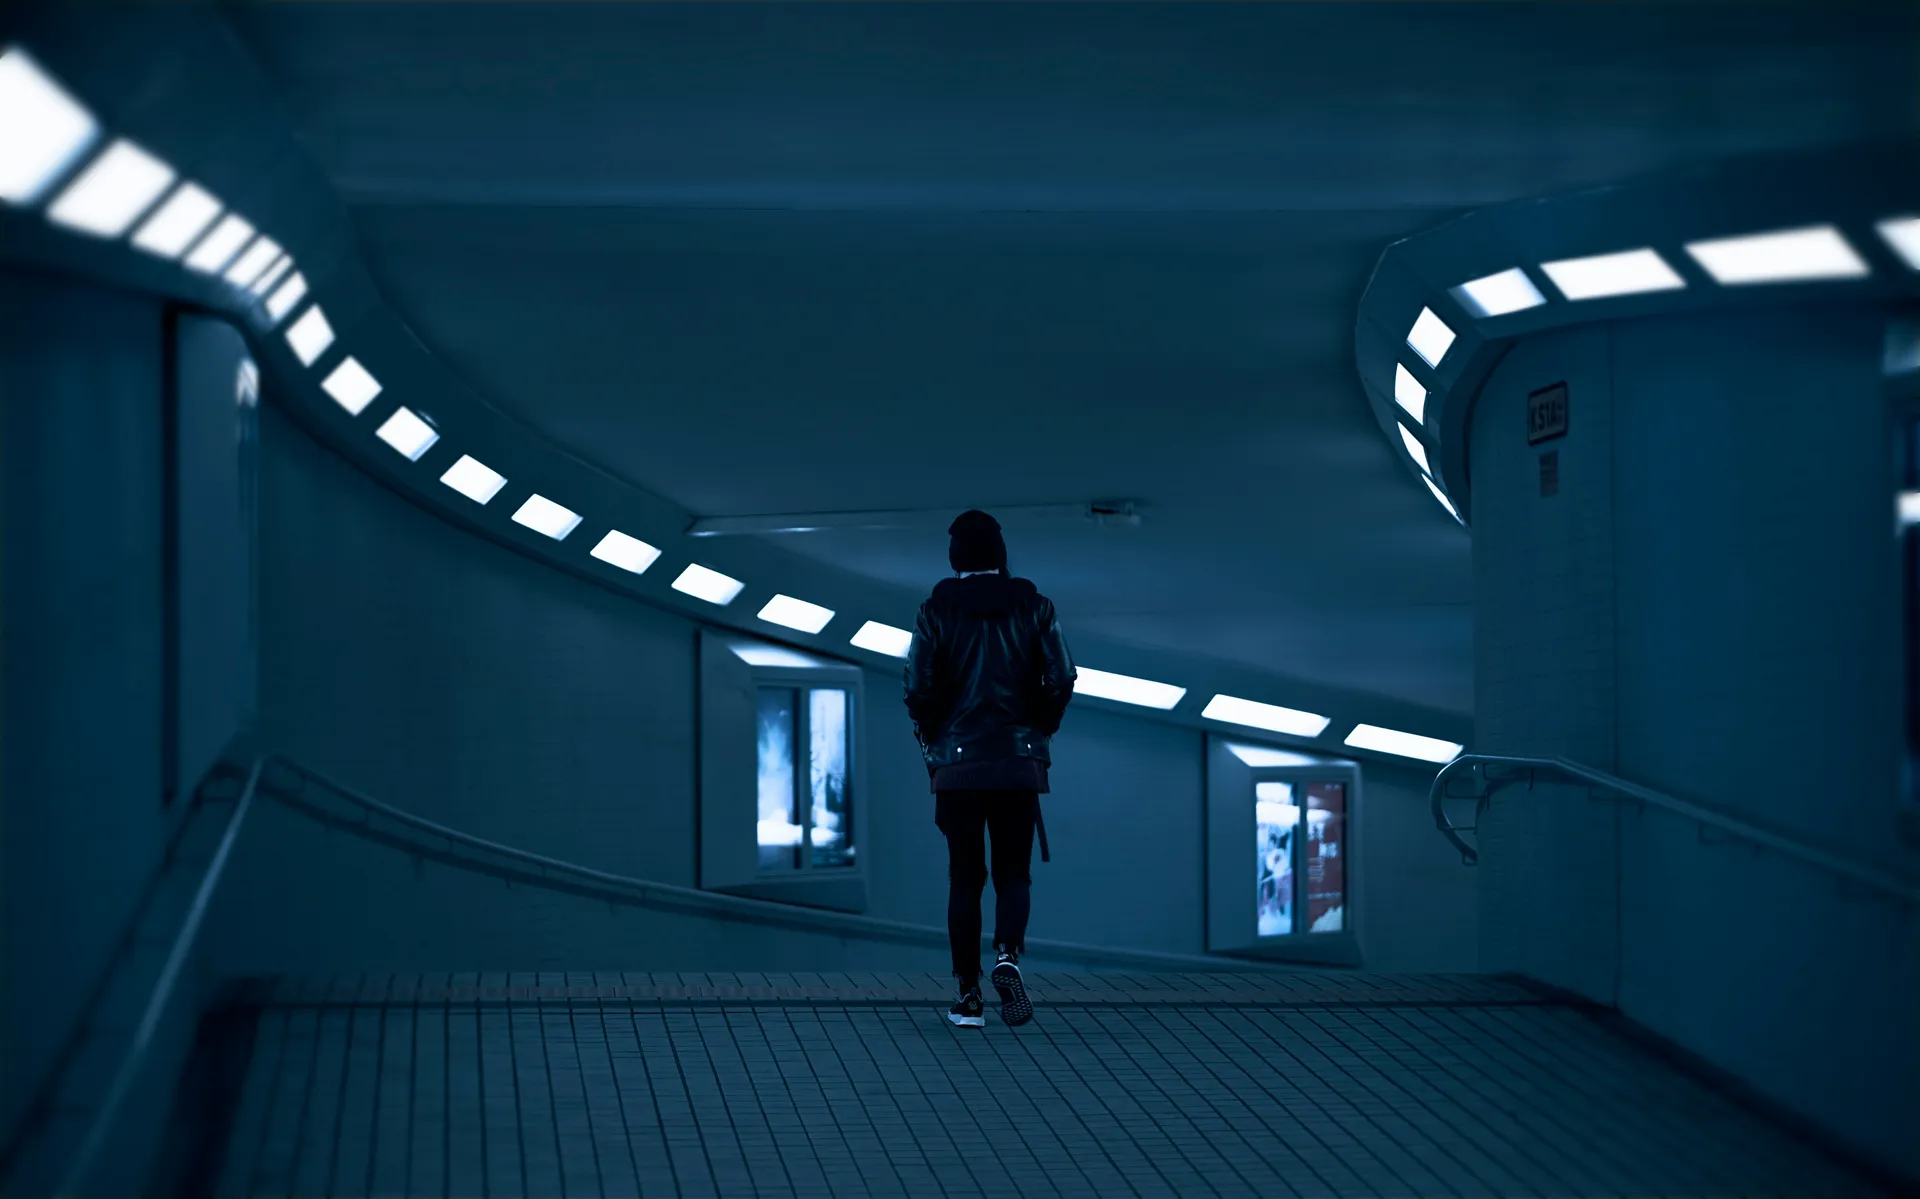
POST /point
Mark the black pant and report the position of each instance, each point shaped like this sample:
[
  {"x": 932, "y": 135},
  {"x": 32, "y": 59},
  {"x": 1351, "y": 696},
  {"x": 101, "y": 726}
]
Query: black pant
[{"x": 967, "y": 818}]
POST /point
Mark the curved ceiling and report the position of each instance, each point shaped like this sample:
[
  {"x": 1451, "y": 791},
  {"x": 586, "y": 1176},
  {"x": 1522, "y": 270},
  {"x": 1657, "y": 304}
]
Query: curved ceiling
[{"x": 764, "y": 259}]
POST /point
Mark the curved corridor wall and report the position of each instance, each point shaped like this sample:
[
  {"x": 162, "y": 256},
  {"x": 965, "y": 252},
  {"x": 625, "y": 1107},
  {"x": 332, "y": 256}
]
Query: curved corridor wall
[{"x": 1697, "y": 592}]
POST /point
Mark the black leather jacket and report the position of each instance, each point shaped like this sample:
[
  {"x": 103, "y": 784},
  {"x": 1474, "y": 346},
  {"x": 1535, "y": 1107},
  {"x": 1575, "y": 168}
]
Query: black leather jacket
[{"x": 988, "y": 675}]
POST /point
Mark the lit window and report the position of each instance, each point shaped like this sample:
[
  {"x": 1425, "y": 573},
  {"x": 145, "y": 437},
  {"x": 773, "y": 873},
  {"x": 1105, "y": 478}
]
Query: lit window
[
  {"x": 407, "y": 432},
  {"x": 273, "y": 275},
  {"x": 1414, "y": 447},
  {"x": 1266, "y": 755},
  {"x": 1430, "y": 338},
  {"x": 1788, "y": 256},
  {"x": 709, "y": 585},
  {"x": 1405, "y": 745},
  {"x": 1408, "y": 393},
  {"x": 112, "y": 192},
  {"x": 283, "y": 300},
  {"x": 247, "y": 268},
  {"x": 628, "y": 553},
  {"x": 1498, "y": 295},
  {"x": 1441, "y": 496},
  {"x": 1126, "y": 689},
  {"x": 805, "y": 789},
  {"x": 43, "y": 130},
  {"x": 1291, "y": 721},
  {"x": 310, "y": 335},
  {"x": 788, "y": 612},
  {"x": 350, "y": 385},
  {"x": 542, "y": 515},
  {"x": 1903, "y": 234},
  {"x": 1629, "y": 272},
  {"x": 217, "y": 248},
  {"x": 474, "y": 479},
  {"x": 185, "y": 216},
  {"x": 883, "y": 639}
]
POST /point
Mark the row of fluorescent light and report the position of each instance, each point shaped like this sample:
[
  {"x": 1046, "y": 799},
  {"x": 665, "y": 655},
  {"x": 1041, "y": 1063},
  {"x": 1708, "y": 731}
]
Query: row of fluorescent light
[
  {"x": 1810, "y": 254},
  {"x": 45, "y": 132}
]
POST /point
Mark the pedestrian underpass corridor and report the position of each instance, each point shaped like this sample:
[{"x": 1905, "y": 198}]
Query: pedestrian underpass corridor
[{"x": 845, "y": 1085}]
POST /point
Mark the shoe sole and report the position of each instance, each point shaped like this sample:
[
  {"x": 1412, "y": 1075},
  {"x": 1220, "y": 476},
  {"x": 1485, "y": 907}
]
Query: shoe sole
[
  {"x": 1015, "y": 1007},
  {"x": 967, "y": 1021}
]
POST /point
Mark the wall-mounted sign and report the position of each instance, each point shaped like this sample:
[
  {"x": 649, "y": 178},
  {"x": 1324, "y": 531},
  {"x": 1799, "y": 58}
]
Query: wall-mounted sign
[{"x": 1547, "y": 414}]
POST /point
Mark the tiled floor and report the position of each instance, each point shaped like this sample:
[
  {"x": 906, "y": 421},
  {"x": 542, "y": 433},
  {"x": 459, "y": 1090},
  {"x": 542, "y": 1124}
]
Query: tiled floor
[{"x": 854, "y": 1085}]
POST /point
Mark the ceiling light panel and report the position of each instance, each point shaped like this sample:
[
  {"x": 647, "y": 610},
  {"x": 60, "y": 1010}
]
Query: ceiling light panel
[
  {"x": 184, "y": 216},
  {"x": 1414, "y": 447},
  {"x": 1627, "y": 273},
  {"x": 777, "y": 656},
  {"x": 1786, "y": 256},
  {"x": 1126, "y": 689},
  {"x": 709, "y": 585},
  {"x": 1408, "y": 393},
  {"x": 217, "y": 248},
  {"x": 351, "y": 386},
  {"x": 273, "y": 275},
  {"x": 788, "y": 612},
  {"x": 1498, "y": 295},
  {"x": 1272, "y": 717},
  {"x": 1902, "y": 233},
  {"x": 406, "y": 432},
  {"x": 109, "y": 196},
  {"x": 283, "y": 300},
  {"x": 1405, "y": 745},
  {"x": 247, "y": 268},
  {"x": 1430, "y": 338},
  {"x": 310, "y": 335},
  {"x": 542, "y": 515},
  {"x": 474, "y": 479},
  {"x": 1909, "y": 508},
  {"x": 1441, "y": 496},
  {"x": 43, "y": 130},
  {"x": 883, "y": 639},
  {"x": 628, "y": 553},
  {"x": 1265, "y": 755}
]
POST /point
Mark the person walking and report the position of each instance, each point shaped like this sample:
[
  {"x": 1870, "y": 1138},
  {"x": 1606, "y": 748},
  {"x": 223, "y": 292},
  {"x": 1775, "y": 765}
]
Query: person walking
[{"x": 988, "y": 679}]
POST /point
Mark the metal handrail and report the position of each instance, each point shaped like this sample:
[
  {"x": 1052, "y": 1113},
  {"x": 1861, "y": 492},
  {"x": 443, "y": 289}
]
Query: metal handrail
[
  {"x": 80, "y": 1169},
  {"x": 759, "y": 911},
  {"x": 1615, "y": 788}
]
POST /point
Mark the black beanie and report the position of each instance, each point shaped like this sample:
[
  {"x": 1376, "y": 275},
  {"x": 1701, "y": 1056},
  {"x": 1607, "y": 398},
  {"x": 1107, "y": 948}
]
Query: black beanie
[{"x": 976, "y": 543}]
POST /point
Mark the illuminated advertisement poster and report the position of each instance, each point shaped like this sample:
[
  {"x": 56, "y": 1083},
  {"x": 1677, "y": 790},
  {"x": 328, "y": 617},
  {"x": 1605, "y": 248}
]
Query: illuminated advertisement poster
[
  {"x": 1326, "y": 857},
  {"x": 1277, "y": 822}
]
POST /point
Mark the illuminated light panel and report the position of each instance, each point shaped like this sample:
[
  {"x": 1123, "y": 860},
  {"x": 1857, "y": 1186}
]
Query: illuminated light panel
[
  {"x": 1441, "y": 496},
  {"x": 1272, "y": 717},
  {"x": 351, "y": 386},
  {"x": 290, "y": 293},
  {"x": 1405, "y": 745},
  {"x": 775, "y": 655},
  {"x": 542, "y": 515},
  {"x": 788, "y": 612},
  {"x": 1408, "y": 393},
  {"x": 251, "y": 265},
  {"x": 1497, "y": 295},
  {"x": 1126, "y": 689},
  {"x": 1909, "y": 508},
  {"x": 883, "y": 639},
  {"x": 43, "y": 130},
  {"x": 274, "y": 274},
  {"x": 310, "y": 336},
  {"x": 628, "y": 553},
  {"x": 1787, "y": 256},
  {"x": 1902, "y": 233},
  {"x": 709, "y": 585},
  {"x": 217, "y": 249},
  {"x": 184, "y": 216},
  {"x": 1266, "y": 755},
  {"x": 112, "y": 192},
  {"x": 1414, "y": 447},
  {"x": 474, "y": 479},
  {"x": 407, "y": 432},
  {"x": 1627, "y": 273},
  {"x": 1430, "y": 338}
]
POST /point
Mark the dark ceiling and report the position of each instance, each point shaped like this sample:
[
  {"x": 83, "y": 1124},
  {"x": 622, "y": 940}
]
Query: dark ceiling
[{"x": 804, "y": 257}]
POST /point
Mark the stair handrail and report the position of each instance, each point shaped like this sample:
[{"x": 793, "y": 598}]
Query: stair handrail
[
  {"x": 81, "y": 1167},
  {"x": 761, "y": 911},
  {"x": 1618, "y": 789}
]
